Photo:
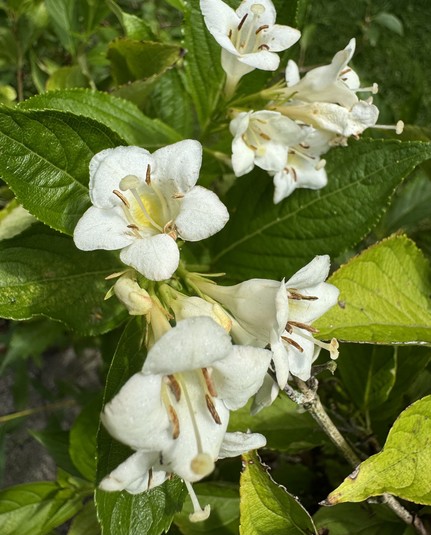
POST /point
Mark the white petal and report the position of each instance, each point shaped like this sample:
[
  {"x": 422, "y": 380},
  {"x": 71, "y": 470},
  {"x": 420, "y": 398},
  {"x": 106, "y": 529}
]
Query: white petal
[
  {"x": 313, "y": 273},
  {"x": 108, "y": 167},
  {"x": 192, "y": 344},
  {"x": 304, "y": 311},
  {"x": 240, "y": 375},
  {"x": 101, "y": 228},
  {"x": 267, "y": 61},
  {"x": 284, "y": 185},
  {"x": 281, "y": 362},
  {"x": 219, "y": 18},
  {"x": 177, "y": 166},
  {"x": 136, "y": 409},
  {"x": 273, "y": 157},
  {"x": 242, "y": 157},
  {"x": 266, "y": 17},
  {"x": 292, "y": 73},
  {"x": 133, "y": 475},
  {"x": 235, "y": 444},
  {"x": 231, "y": 64},
  {"x": 300, "y": 363},
  {"x": 202, "y": 214},
  {"x": 279, "y": 38},
  {"x": 156, "y": 257},
  {"x": 265, "y": 396}
]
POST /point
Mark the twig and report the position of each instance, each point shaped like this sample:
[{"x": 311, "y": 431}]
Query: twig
[
  {"x": 311, "y": 402},
  {"x": 44, "y": 408}
]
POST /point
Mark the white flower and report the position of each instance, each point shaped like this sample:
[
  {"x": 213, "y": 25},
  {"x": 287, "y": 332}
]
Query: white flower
[
  {"x": 304, "y": 168},
  {"x": 175, "y": 412},
  {"x": 335, "y": 83},
  {"x": 248, "y": 36},
  {"x": 280, "y": 314},
  {"x": 143, "y": 202},
  {"x": 262, "y": 138}
]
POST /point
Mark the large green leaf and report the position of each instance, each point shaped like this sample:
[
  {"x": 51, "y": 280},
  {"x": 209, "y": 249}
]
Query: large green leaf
[
  {"x": 121, "y": 116},
  {"x": 204, "y": 76},
  {"x": 285, "y": 428},
  {"x": 44, "y": 157},
  {"x": 402, "y": 468},
  {"x": 263, "y": 240},
  {"x": 265, "y": 507},
  {"x": 42, "y": 273},
  {"x": 121, "y": 513},
  {"x": 36, "y": 508},
  {"x": 85, "y": 523},
  {"x": 384, "y": 296}
]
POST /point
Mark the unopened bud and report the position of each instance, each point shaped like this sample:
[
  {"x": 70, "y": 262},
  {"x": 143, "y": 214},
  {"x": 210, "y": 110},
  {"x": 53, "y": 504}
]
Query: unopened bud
[{"x": 134, "y": 298}]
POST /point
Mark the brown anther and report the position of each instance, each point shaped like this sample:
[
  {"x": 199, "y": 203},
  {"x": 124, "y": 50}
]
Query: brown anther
[
  {"x": 293, "y": 343},
  {"x": 298, "y": 297},
  {"x": 241, "y": 24},
  {"x": 253, "y": 147},
  {"x": 178, "y": 195},
  {"x": 133, "y": 226},
  {"x": 304, "y": 326},
  {"x": 173, "y": 417},
  {"x": 121, "y": 197},
  {"x": 209, "y": 383},
  {"x": 289, "y": 328},
  {"x": 304, "y": 145},
  {"x": 135, "y": 230},
  {"x": 148, "y": 175},
  {"x": 171, "y": 230},
  {"x": 174, "y": 387},
  {"x": 264, "y": 136},
  {"x": 263, "y": 27},
  {"x": 229, "y": 34},
  {"x": 150, "y": 477},
  {"x": 345, "y": 71},
  {"x": 212, "y": 409},
  {"x": 263, "y": 46},
  {"x": 294, "y": 175}
]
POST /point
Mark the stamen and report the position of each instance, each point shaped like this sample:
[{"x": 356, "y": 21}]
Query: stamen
[
  {"x": 209, "y": 383},
  {"x": 173, "y": 417},
  {"x": 320, "y": 165},
  {"x": 263, "y": 27},
  {"x": 293, "y": 343},
  {"x": 264, "y": 136},
  {"x": 241, "y": 24},
  {"x": 148, "y": 175},
  {"x": 304, "y": 146},
  {"x": 304, "y": 326},
  {"x": 178, "y": 195},
  {"x": 257, "y": 9},
  {"x": 135, "y": 230},
  {"x": 332, "y": 347},
  {"x": 144, "y": 210},
  {"x": 175, "y": 387},
  {"x": 374, "y": 89},
  {"x": 171, "y": 230},
  {"x": 229, "y": 34},
  {"x": 150, "y": 477},
  {"x": 199, "y": 514},
  {"x": 294, "y": 294},
  {"x": 121, "y": 197},
  {"x": 212, "y": 409},
  {"x": 263, "y": 46}
]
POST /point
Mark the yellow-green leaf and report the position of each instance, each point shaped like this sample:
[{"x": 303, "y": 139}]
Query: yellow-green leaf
[
  {"x": 267, "y": 508},
  {"x": 402, "y": 468},
  {"x": 384, "y": 296}
]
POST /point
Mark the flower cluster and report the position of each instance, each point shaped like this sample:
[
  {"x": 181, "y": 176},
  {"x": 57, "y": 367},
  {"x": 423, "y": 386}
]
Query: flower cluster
[{"x": 301, "y": 120}]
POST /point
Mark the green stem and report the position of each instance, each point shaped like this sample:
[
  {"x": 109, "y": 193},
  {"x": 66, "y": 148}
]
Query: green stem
[{"x": 28, "y": 412}]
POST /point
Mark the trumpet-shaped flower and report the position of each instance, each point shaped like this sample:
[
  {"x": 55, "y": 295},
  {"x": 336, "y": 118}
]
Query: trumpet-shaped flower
[
  {"x": 248, "y": 36},
  {"x": 175, "y": 412},
  {"x": 280, "y": 314},
  {"x": 262, "y": 138},
  {"x": 143, "y": 202}
]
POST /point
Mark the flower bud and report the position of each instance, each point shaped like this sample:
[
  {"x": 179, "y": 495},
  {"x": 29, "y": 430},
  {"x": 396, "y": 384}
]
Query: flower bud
[{"x": 134, "y": 298}]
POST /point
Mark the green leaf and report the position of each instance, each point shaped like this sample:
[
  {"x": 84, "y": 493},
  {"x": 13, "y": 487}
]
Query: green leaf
[
  {"x": 266, "y": 508},
  {"x": 224, "y": 518},
  {"x": 42, "y": 273},
  {"x": 285, "y": 428},
  {"x": 56, "y": 441},
  {"x": 263, "y": 240},
  {"x": 402, "y": 468},
  {"x": 384, "y": 296},
  {"x": 204, "y": 77},
  {"x": 85, "y": 523},
  {"x": 13, "y": 220},
  {"x": 83, "y": 443},
  {"x": 364, "y": 519},
  {"x": 66, "y": 77},
  {"x": 138, "y": 60},
  {"x": 389, "y": 21},
  {"x": 368, "y": 373},
  {"x": 36, "y": 508},
  {"x": 121, "y": 116},
  {"x": 44, "y": 157},
  {"x": 121, "y": 513}
]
